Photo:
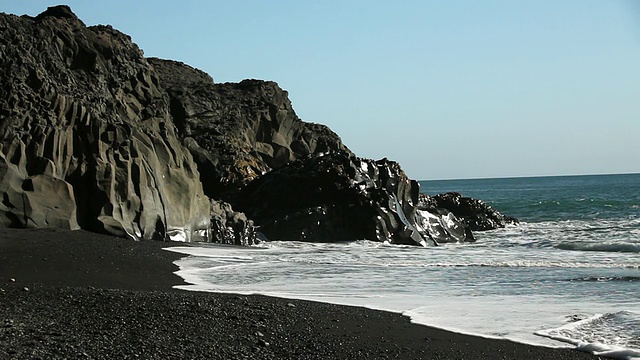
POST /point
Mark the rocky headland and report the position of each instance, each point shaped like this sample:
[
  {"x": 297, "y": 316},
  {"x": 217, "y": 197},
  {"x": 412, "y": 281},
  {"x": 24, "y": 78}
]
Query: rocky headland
[{"x": 95, "y": 136}]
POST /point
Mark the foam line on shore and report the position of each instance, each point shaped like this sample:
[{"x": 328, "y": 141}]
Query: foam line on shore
[{"x": 596, "y": 348}]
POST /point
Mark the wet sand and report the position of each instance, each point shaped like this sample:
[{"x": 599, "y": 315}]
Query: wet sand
[{"x": 75, "y": 294}]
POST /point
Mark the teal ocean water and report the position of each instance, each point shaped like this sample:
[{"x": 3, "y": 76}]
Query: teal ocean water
[
  {"x": 568, "y": 275},
  {"x": 554, "y": 198}
]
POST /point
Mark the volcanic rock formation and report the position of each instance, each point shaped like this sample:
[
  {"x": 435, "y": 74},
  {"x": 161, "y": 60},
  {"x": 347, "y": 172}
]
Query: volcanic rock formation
[{"x": 94, "y": 135}]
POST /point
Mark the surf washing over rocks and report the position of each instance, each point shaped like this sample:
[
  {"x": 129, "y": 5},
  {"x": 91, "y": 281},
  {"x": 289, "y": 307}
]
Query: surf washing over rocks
[{"x": 568, "y": 275}]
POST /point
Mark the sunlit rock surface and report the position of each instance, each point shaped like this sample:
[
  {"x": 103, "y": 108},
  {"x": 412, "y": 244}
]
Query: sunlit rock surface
[
  {"x": 476, "y": 213},
  {"x": 87, "y": 140},
  {"x": 443, "y": 228}
]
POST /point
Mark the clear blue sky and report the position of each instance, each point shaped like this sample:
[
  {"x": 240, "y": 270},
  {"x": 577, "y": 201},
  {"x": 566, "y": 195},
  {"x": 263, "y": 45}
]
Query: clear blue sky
[{"x": 450, "y": 89}]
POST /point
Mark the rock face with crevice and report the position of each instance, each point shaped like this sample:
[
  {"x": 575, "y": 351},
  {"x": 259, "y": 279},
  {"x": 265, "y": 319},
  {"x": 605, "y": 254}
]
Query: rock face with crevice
[{"x": 86, "y": 136}]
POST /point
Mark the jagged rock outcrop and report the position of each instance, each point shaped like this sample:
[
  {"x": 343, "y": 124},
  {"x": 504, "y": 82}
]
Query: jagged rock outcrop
[
  {"x": 231, "y": 227},
  {"x": 336, "y": 197},
  {"x": 475, "y": 213},
  {"x": 86, "y": 136},
  {"x": 238, "y": 131}
]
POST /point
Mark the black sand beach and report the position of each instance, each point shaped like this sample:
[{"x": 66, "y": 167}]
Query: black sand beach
[{"x": 67, "y": 294}]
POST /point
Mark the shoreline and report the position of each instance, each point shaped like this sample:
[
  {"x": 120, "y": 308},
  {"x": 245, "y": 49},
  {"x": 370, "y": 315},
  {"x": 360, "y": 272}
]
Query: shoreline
[
  {"x": 77, "y": 293},
  {"x": 407, "y": 308}
]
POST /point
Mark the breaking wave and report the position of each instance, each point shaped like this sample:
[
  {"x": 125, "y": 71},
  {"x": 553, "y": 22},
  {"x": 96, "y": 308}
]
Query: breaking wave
[{"x": 623, "y": 248}]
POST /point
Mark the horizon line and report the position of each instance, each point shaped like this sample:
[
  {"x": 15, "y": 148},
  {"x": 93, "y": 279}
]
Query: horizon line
[{"x": 528, "y": 176}]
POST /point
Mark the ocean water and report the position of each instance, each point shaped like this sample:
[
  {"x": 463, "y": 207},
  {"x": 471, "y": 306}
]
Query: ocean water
[{"x": 567, "y": 276}]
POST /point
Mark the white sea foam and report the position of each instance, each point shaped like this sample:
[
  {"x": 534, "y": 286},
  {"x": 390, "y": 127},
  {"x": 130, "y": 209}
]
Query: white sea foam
[
  {"x": 496, "y": 264},
  {"x": 594, "y": 334},
  {"x": 211, "y": 250}
]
